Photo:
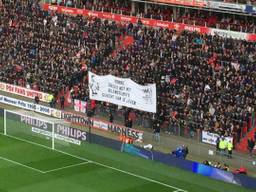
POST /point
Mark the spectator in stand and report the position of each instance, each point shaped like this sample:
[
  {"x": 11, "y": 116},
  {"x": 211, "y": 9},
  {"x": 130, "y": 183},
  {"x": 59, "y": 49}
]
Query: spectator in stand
[
  {"x": 62, "y": 102},
  {"x": 129, "y": 123},
  {"x": 52, "y": 102},
  {"x": 37, "y": 99},
  {"x": 185, "y": 148},
  {"x": 111, "y": 117}
]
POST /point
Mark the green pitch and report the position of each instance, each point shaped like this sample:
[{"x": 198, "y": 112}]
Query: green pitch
[{"x": 28, "y": 164}]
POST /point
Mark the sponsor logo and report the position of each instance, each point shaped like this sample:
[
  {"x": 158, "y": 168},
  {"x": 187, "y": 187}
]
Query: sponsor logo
[
  {"x": 71, "y": 117},
  {"x": 100, "y": 125},
  {"x": 228, "y": 34},
  {"x": 177, "y": 26},
  {"x": 132, "y": 133},
  {"x": 53, "y": 8},
  {"x": 191, "y": 28},
  {"x": 69, "y": 11},
  {"x": 34, "y": 122},
  {"x": 79, "y": 11},
  {"x": 117, "y": 129},
  {"x": 93, "y": 14},
  {"x": 145, "y": 22},
  {"x": 107, "y": 16},
  {"x": 162, "y": 24},
  {"x": 128, "y": 19},
  {"x": 70, "y": 132}
]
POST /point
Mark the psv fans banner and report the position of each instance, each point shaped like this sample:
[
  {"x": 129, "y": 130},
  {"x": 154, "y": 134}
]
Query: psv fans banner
[
  {"x": 22, "y": 91},
  {"x": 122, "y": 91}
]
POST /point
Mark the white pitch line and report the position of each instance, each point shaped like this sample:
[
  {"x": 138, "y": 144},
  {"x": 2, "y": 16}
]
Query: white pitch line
[
  {"x": 17, "y": 163},
  {"x": 65, "y": 167},
  {"x": 103, "y": 165}
]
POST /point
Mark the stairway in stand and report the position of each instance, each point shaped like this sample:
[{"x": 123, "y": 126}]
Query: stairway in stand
[{"x": 242, "y": 145}]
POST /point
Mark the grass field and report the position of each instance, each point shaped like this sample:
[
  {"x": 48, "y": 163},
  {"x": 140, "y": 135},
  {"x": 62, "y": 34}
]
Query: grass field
[{"x": 27, "y": 163}]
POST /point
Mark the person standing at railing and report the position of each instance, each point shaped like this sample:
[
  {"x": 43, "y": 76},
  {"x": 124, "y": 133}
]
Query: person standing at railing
[
  {"x": 230, "y": 148},
  {"x": 156, "y": 128},
  {"x": 218, "y": 145},
  {"x": 111, "y": 117},
  {"x": 62, "y": 102},
  {"x": 37, "y": 99},
  {"x": 222, "y": 146},
  {"x": 250, "y": 146}
]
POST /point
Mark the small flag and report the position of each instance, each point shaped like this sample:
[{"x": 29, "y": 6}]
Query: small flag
[{"x": 173, "y": 81}]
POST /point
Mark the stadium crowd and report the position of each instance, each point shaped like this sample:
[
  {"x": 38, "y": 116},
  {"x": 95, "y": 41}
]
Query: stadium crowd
[
  {"x": 206, "y": 81},
  {"x": 207, "y": 18}
]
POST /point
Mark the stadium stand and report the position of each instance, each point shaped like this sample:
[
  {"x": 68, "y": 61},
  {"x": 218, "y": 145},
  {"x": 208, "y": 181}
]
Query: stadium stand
[
  {"x": 209, "y": 18},
  {"x": 206, "y": 81}
]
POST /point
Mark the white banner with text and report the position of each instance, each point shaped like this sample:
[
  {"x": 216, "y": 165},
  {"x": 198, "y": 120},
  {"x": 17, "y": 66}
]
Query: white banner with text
[{"x": 122, "y": 91}]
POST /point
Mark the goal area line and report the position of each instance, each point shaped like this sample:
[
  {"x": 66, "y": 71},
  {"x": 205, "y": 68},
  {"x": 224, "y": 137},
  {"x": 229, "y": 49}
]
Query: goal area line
[
  {"x": 87, "y": 161},
  {"x": 41, "y": 171},
  {"x": 21, "y": 164}
]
